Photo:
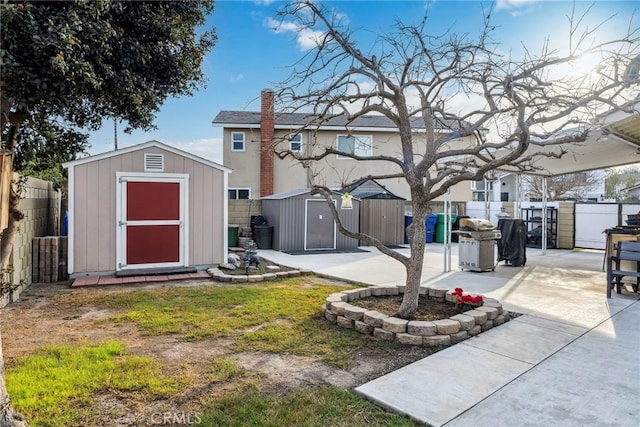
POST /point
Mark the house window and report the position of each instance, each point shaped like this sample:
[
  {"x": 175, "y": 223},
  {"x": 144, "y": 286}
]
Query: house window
[
  {"x": 360, "y": 145},
  {"x": 479, "y": 191},
  {"x": 237, "y": 141},
  {"x": 295, "y": 143},
  {"x": 239, "y": 193},
  {"x": 479, "y": 185},
  {"x": 478, "y": 196}
]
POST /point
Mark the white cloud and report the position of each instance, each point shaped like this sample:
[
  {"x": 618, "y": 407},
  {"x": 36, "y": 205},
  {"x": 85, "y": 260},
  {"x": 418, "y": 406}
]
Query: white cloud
[
  {"x": 513, "y": 4},
  {"x": 207, "y": 148},
  {"x": 516, "y": 7},
  {"x": 236, "y": 78},
  {"x": 306, "y": 38}
]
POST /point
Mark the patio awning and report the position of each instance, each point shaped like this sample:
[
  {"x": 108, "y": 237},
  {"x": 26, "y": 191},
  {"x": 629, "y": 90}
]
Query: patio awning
[{"x": 616, "y": 143}]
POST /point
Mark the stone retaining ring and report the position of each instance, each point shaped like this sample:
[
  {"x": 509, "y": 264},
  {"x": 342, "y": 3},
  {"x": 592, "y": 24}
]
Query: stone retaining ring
[
  {"x": 220, "y": 276},
  {"x": 437, "y": 333}
]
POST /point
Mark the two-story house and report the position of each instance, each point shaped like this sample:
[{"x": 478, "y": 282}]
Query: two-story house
[{"x": 249, "y": 138}]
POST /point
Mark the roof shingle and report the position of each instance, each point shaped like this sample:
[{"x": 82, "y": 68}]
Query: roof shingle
[{"x": 295, "y": 120}]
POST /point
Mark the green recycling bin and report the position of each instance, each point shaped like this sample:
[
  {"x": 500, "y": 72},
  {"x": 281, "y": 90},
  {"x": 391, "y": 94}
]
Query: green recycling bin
[
  {"x": 440, "y": 227},
  {"x": 233, "y": 235}
]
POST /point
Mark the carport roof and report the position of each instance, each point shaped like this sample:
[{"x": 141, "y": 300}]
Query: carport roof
[{"x": 616, "y": 143}]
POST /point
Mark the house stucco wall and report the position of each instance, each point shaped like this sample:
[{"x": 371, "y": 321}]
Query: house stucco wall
[{"x": 331, "y": 171}]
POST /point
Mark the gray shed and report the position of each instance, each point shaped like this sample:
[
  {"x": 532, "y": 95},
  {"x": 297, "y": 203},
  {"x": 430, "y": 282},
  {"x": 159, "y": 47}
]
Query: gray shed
[
  {"x": 381, "y": 212},
  {"x": 302, "y": 222}
]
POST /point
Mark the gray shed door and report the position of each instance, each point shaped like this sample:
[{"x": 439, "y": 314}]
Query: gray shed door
[{"x": 320, "y": 229}]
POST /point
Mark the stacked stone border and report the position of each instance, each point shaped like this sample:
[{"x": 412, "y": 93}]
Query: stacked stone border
[
  {"x": 221, "y": 276},
  {"x": 437, "y": 333}
]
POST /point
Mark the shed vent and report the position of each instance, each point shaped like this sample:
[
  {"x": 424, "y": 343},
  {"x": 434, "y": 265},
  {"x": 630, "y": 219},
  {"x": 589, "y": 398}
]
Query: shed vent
[{"x": 154, "y": 162}]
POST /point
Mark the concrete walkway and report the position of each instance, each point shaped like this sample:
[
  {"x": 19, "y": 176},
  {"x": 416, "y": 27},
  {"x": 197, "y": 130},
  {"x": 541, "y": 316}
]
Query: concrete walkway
[{"x": 571, "y": 359}]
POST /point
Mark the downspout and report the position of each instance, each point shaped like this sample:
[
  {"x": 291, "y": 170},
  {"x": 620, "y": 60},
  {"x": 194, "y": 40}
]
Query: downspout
[
  {"x": 544, "y": 216},
  {"x": 447, "y": 231},
  {"x": 487, "y": 206},
  {"x": 517, "y": 211},
  {"x": 306, "y": 164}
]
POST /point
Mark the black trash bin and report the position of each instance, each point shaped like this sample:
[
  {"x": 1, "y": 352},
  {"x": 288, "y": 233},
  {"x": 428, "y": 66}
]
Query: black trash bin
[
  {"x": 264, "y": 235},
  {"x": 408, "y": 220},
  {"x": 512, "y": 247},
  {"x": 257, "y": 220}
]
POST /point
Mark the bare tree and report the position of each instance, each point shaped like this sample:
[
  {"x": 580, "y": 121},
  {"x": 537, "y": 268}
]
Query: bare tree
[
  {"x": 576, "y": 186},
  {"x": 529, "y": 105}
]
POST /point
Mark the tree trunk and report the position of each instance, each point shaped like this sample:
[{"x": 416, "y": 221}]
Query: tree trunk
[
  {"x": 8, "y": 235},
  {"x": 8, "y": 416},
  {"x": 409, "y": 304}
]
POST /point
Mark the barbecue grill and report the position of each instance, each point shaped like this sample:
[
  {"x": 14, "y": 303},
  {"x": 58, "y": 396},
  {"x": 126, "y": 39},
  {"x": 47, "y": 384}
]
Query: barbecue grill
[{"x": 476, "y": 249}]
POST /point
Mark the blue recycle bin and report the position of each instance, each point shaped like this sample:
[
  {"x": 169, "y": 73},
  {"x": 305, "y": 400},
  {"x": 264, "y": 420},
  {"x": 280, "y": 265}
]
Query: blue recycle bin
[{"x": 430, "y": 226}]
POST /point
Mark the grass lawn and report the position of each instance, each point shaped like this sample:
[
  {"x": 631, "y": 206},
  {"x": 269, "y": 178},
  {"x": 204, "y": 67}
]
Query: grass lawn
[
  {"x": 67, "y": 384},
  {"x": 54, "y": 387}
]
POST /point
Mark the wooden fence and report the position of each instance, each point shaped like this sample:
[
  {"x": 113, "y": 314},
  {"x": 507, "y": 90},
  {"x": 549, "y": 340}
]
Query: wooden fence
[{"x": 5, "y": 186}]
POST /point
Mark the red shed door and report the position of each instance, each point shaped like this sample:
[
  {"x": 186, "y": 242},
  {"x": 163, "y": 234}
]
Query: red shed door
[{"x": 152, "y": 224}]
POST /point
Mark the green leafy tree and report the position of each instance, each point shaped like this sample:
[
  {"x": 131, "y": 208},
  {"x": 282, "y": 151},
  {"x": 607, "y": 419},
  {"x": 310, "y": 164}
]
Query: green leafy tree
[
  {"x": 73, "y": 64},
  {"x": 617, "y": 179},
  {"x": 44, "y": 146}
]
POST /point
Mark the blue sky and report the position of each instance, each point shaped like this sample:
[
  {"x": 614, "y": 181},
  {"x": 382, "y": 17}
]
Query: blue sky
[{"x": 250, "y": 56}]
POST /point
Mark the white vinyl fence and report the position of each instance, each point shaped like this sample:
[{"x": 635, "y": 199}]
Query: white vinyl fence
[
  {"x": 592, "y": 219},
  {"x": 479, "y": 210}
]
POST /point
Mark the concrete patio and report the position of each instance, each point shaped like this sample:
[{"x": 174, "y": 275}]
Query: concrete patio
[{"x": 571, "y": 359}]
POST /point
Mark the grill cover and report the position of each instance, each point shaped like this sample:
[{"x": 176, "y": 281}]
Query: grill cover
[{"x": 512, "y": 247}]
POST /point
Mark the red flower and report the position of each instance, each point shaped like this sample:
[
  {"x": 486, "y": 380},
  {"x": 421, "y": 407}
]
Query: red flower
[{"x": 463, "y": 298}]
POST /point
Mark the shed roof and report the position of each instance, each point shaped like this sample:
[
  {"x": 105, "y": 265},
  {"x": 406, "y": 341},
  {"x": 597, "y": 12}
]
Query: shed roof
[
  {"x": 369, "y": 188},
  {"x": 379, "y": 123},
  {"x": 293, "y": 193},
  {"x": 142, "y": 146}
]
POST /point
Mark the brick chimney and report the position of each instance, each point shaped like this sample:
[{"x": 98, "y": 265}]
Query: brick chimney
[{"x": 267, "y": 118}]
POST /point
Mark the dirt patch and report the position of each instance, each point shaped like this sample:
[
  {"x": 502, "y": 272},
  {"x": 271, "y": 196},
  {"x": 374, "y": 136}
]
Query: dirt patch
[
  {"x": 55, "y": 314},
  {"x": 428, "y": 309}
]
